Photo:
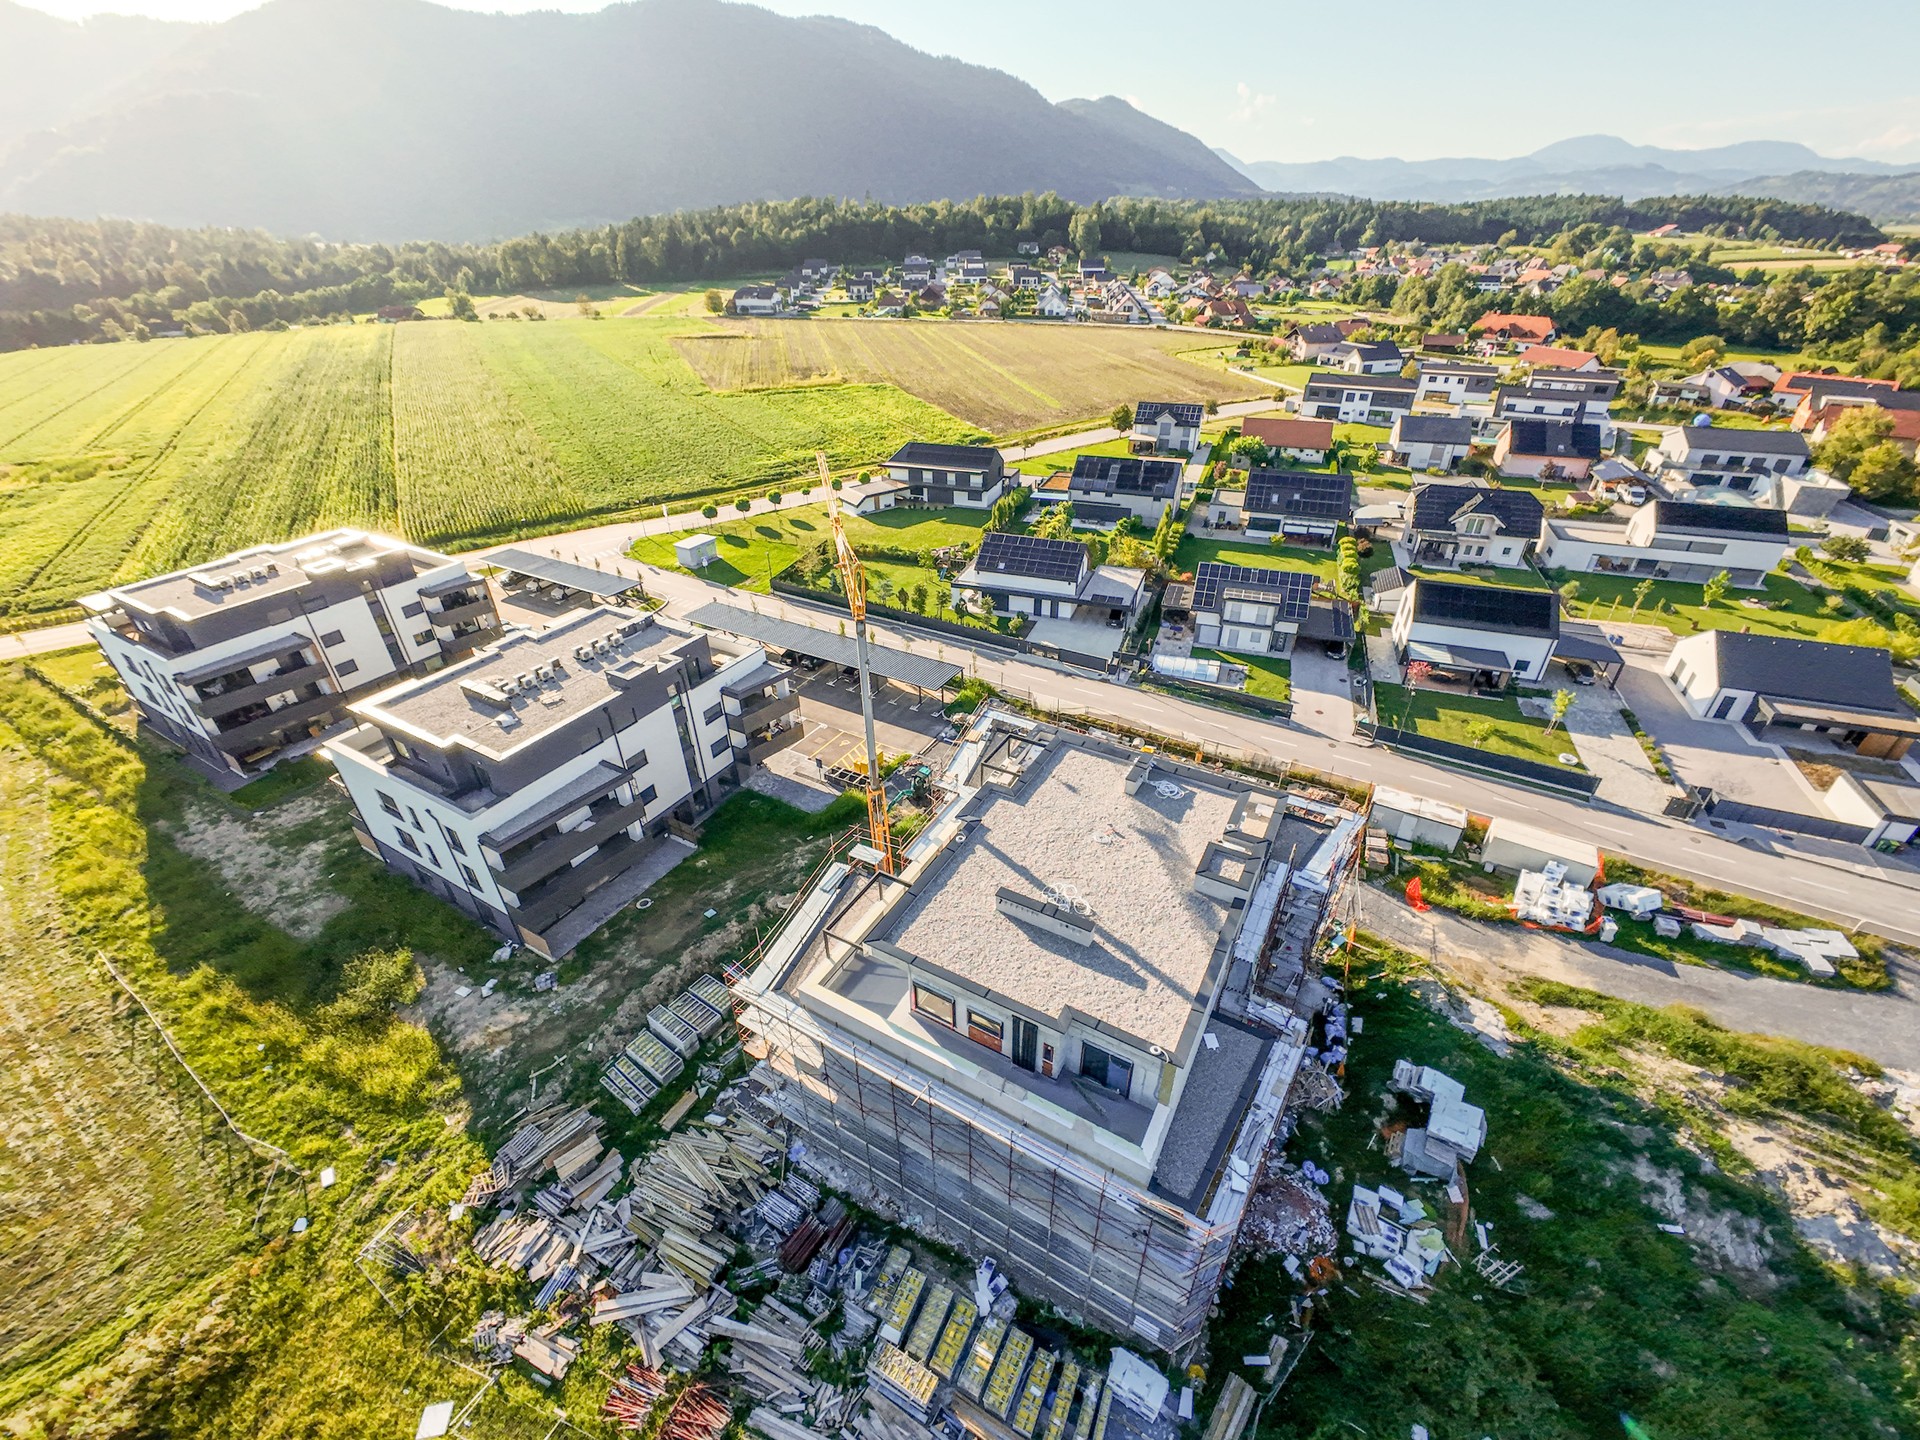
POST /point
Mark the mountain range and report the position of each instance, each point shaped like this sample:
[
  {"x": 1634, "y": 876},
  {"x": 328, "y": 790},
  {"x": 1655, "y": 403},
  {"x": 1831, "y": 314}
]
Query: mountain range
[
  {"x": 399, "y": 119},
  {"x": 1583, "y": 165}
]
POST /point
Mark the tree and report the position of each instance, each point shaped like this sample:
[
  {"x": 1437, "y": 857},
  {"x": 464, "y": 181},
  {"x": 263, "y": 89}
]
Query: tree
[
  {"x": 460, "y": 305},
  {"x": 584, "y": 304},
  {"x": 773, "y": 497},
  {"x": 1851, "y": 436},
  {"x": 1346, "y": 573},
  {"x": 716, "y": 302},
  {"x": 1083, "y": 231},
  {"x": 1884, "y": 474},
  {"x": 1122, "y": 417},
  {"x": 1849, "y": 549},
  {"x": 237, "y": 322},
  {"x": 1715, "y": 589},
  {"x": 710, "y": 511},
  {"x": 1562, "y": 702},
  {"x": 1570, "y": 592},
  {"x": 743, "y": 504},
  {"x": 1640, "y": 594}
]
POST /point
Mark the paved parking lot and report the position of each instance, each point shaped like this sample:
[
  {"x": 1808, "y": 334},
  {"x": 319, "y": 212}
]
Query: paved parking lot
[{"x": 905, "y": 721}]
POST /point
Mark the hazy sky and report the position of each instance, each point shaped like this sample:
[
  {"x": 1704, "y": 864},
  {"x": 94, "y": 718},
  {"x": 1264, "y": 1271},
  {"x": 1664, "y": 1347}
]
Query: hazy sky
[{"x": 1250, "y": 76}]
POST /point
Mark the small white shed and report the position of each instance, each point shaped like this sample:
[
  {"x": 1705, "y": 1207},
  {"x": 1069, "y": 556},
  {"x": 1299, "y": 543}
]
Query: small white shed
[
  {"x": 1416, "y": 819},
  {"x": 1513, "y": 846},
  {"x": 695, "y": 552}
]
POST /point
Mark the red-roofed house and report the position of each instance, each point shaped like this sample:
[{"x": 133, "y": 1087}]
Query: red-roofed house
[
  {"x": 1905, "y": 433},
  {"x": 1553, "y": 357},
  {"x": 1661, "y": 232},
  {"x": 1307, "y": 440},
  {"x": 1496, "y": 329}
]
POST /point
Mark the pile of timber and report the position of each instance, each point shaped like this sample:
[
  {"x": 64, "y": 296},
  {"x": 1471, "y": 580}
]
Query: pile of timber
[
  {"x": 631, "y": 1400},
  {"x": 543, "y": 1135},
  {"x": 767, "y": 1352},
  {"x": 696, "y": 1414},
  {"x": 703, "y": 1175}
]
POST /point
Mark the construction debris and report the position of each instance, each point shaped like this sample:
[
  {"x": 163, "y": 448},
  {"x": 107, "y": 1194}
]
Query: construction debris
[
  {"x": 1547, "y": 897},
  {"x": 1388, "y": 1226},
  {"x": 1454, "y": 1131}
]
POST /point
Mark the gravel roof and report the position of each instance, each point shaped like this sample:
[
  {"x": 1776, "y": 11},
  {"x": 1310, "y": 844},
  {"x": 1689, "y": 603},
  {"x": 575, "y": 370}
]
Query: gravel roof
[{"x": 1070, "y": 829}]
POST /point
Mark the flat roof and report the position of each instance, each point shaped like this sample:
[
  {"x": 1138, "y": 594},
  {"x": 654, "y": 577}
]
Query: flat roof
[
  {"x": 921, "y": 671},
  {"x": 458, "y": 704},
  {"x": 565, "y": 573},
  {"x": 289, "y": 566},
  {"x": 1070, "y": 831}
]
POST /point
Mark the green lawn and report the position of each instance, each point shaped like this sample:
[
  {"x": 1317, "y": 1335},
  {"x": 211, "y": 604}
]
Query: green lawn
[
  {"x": 1196, "y": 550},
  {"x": 1268, "y": 676},
  {"x": 1041, "y": 466},
  {"x": 1495, "y": 725},
  {"x": 1788, "y": 608},
  {"x": 1523, "y": 577},
  {"x": 755, "y": 548}
]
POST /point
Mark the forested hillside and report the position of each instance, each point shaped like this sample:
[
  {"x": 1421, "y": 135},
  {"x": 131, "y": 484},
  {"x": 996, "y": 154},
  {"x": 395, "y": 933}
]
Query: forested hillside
[{"x": 66, "y": 280}]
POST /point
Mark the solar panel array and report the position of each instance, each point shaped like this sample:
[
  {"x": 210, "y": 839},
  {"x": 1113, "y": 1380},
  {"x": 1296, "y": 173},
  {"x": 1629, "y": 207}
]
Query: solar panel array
[
  {"x": 1305, "y": 494},
  {"x": 1291, "y": 590},
  {"x": 1485, "y": 607},
  {"x": 1129, "y": 476},
  {"x": 1030, "y": 556},
  {"x": 1148, "y": 411}
]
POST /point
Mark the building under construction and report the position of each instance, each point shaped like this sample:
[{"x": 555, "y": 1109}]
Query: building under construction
[{"x": 1062, "y": 1034}]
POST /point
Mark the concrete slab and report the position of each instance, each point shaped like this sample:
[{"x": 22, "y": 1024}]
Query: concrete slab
[
  {"x": 1709, "y": 752},
  {"x": 1322, "y": 692}
]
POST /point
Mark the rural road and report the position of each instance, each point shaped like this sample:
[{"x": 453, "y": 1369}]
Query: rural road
[{"x": 1884, "y": 1025}]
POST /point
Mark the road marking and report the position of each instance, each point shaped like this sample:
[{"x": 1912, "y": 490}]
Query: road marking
[
  {"x": 1365, "y": 764},
  {"x": 1610, "y": 829},
  {"x": 1816, "y": 885}
]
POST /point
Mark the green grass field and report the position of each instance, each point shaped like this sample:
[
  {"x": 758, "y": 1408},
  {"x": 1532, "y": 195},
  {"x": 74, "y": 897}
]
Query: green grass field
[
  {"x": 122, "y": 460},
  {"x": 1785, "y": 607},
  {"x": 754, "y": 549},
  {"x": 1497, "y": 725},
  {"x": 1041, "y": 466},
  {"x": 1268, "y": 676},
  {"x": 1197, "y": 550}
]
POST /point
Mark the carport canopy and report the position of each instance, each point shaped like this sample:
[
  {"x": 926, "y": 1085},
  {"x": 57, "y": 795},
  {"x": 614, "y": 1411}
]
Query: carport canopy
[
  {"x": 550, "y": 570},
  {"x": 1592, "y": 647},
  {"x": 1773, "y": 710},
  {"x": 923, "y": 672}
]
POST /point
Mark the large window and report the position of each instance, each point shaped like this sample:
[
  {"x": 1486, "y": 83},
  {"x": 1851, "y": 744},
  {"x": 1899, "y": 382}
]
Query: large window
[
  {"x": 984, "y": 1028},
  {"x": 1106, "y": 1069},
  {"x": 934, "y": 1005}
]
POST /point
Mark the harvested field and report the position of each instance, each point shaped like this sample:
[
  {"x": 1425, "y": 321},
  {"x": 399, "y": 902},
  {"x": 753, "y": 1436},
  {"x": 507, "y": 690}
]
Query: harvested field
[{"x": 1003, "y": 378}]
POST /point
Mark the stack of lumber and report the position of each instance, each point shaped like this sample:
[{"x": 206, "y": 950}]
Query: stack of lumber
[
  {"x": 768, "y": 1352},
  {"x": 541, "y": 1136},
  {"x": 633, "y": 1396},
  {"x": 903, "y": 1380},
  {"x": 1232, "y": 1410},
  {"x": 702, "y": 1175},
  {"x": 778, "y": 1427},
  {"x": 697, "y": 1414}
]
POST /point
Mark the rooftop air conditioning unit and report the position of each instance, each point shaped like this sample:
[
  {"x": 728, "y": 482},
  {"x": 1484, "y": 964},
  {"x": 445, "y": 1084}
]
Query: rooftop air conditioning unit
[
  {"x": 542, "y": 672},
  {"x": 580, "y": 652},
  {"x": 259, "y": 572},
  {"x": 225, "y": 582},
  {"x": 523, "y": 680},
  {"x": 613, "y": 639}
]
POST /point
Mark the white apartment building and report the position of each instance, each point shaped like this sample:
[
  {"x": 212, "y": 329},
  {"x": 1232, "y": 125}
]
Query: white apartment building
[
  {"x": 536, "y": 784},
  {"x": 238, "y": 659}
]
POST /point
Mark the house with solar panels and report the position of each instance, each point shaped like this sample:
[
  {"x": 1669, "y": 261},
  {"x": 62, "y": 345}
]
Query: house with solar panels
[
  {"x": 1247, "y": 609},
  {"x": 1476, "y": 635},
  {"x": 1168, "y": 426},
  {"x": 1106, "y": 489},
  {"x": 1050, "y": 580},
  {"x": 1308, "y": 506}
]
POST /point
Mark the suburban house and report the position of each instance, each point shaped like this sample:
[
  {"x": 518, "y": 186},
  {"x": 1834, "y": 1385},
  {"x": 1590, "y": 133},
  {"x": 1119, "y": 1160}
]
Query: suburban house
[
  {"x": 1120, "y": 302},
  {"x": 1496, "y": 330},
  {"x": 1358, "y": 399},
  {"x": 1306, "y": 505},
  {"x": 1055, "y": 304},
  {"x": 1104, "y": 489},
  {"x": 1049, "y": 579},
  {"x": 1481, "y": 635},
  {"x": 237, "y": 660},
  {"x": 1025, "y": 277},
  {"x": 1308, "y": 441},
  {"x": 1737, "y": 459},
  {"x": 1595, "y": 389},
  {"x": 818, "y": 272},
  {"x": 533, "y": 784},
  {"x": 1471, "y": 524},
  {"x": 1160, "y": 284},
  {"x": 1169, "y": 426},
  {"x": 916, "y": 271},
  {"x": 1373, "y": 357},
  {"x": 1224, "y": 310},
  {"x": 1245, "y": 286},
  {"x": 863, "y": 286},
  {"x": 756, "y": 300},
  {"x": 1027, "y": 247},
  {"x": 1537, "y": 403},
  {"x": 889, "y": 302},
  {"x": 1810, "y": 389},
  {"x": 973, "y": 476},
  {"x": 1093, "y": 272},
  {"x": 1443, "y": 341},
  {"x": 1312, "y": 342},
  {"x": 871, "y": 496},
  {"x": 1458, "y": 383},
  {"x": 1795, "y": 692},
  {"x": 1673, "y": 540},
  {"x": 1735, "y": 384},
  {"x": 1553, "y": 357},
  {"x": 1547, "y": 449},
  {"x": 1904, "y": 421},
  {"x": 1430, "y": 442},
  {"x": 1248, "y": 609}
]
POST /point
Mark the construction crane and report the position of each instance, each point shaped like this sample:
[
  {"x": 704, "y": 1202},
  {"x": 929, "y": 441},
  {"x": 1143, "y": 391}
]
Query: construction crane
[{"x": 854, "y": 578}]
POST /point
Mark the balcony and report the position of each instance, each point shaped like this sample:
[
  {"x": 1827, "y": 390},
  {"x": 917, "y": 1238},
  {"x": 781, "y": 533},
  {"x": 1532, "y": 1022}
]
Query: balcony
[
  {"x": 566, "y": 889},
  {"x": 552, "y": 852},
  {"x": 765, "y": 712},
  {"x": 218, "y": 701},
  {"x": 453, "y": 616},
  {"x": 259, "y": 732},
  {"x": 759, "y": 750}
]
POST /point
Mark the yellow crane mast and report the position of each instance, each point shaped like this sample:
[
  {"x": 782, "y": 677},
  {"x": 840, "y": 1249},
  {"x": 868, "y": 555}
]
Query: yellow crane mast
[{"x": 854, "y": 578}]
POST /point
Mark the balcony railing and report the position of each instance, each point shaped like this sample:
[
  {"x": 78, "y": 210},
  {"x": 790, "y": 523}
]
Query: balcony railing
[
  {"x": 549, "y": 855},
  {"x": 765, "y": 712},
  {"x": 250, "y": 735},
  {"x": 223, "y": 702}
]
